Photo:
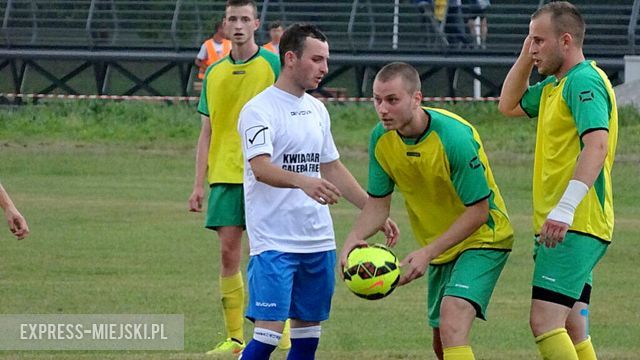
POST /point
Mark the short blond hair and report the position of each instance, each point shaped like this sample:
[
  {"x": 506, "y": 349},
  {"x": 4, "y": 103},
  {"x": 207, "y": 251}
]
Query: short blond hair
[
  {"x": 408, "y": 74},
  {"x": 566, "y": 18}
]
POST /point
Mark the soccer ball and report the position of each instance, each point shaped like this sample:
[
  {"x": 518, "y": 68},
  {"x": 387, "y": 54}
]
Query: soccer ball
[{"x": 372, "y": 272}]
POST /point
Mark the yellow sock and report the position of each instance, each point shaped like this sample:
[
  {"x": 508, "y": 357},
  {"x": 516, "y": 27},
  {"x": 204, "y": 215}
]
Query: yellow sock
[
  {"x": 232, "y": 290},
  {"x": 585, "y": 350},
  {"x": 556, "y": 345},
  {"x": 458, "y": 353}
]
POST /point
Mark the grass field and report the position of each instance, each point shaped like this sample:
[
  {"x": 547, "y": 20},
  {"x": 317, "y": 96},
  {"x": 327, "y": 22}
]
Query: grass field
[{"x": 104, "y": 187}]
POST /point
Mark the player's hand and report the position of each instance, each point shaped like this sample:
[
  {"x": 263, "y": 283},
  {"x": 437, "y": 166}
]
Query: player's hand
[
  {"x": 350, "y": 244},
  {"x": 415, "y": 265},
  {"x": 391, "y": 232},
  {"x": 17, "y": 224},
  {"x": 552, "y": 233},
  {"x": 196, "y": 198},
  {"x": 321, "y": 190},
  {"x": 526, "y": 48}
]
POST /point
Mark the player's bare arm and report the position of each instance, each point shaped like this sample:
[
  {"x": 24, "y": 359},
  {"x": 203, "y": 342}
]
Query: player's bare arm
[
  {"x": 416, "y": 263},
  {"x": 338, "y": 175},
  {"x": 588, "y": 168},
  {"x": 320, "y": 190},
  {"x": 17, "y": 224},
  {"x": 373, "y": 215},
  {"x": 516, "y": 82},
  {"x": 202, "y": 157}
]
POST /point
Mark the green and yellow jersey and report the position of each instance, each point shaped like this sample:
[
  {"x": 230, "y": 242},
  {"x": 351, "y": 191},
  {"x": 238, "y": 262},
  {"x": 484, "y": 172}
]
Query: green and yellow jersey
[
  {"x": 227, "y": 86},
  {"x": 582, "y": 101},
  {"x": 440, "y": 174}
]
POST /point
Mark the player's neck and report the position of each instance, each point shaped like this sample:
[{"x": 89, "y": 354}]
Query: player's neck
[
  {"x": 243, "y": 52},
  {"x": 571, "y": 60},
  {"x": 285, "y": 83},
  {"x": 417, "y": 126}
]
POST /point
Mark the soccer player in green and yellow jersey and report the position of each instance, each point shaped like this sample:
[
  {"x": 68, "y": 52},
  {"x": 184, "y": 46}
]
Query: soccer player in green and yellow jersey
[
  {"x": 229, "y": 84},
  {"x": 436, "y": 159},
  {"x": 572, "y": 196}
]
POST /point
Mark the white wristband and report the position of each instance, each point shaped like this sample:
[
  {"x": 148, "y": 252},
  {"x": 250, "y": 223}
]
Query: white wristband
[{"x": 566, "y": 208}]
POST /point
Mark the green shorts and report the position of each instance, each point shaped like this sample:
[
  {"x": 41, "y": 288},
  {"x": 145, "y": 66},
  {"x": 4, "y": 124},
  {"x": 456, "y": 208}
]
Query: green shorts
[
  {"x": 566, "y": 268},
  {"x": 472, "y": 276},
  {"x": 226, "y": 206}
]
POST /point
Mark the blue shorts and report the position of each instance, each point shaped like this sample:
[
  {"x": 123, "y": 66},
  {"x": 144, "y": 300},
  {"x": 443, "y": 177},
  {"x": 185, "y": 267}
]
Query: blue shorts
[{"x": 291, "y": 286}]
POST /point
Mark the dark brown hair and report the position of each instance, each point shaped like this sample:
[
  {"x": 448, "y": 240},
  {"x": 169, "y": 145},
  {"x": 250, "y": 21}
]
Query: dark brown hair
[
  {"x": 294, "y": 38},
  {"x": 239, "y": 3}
]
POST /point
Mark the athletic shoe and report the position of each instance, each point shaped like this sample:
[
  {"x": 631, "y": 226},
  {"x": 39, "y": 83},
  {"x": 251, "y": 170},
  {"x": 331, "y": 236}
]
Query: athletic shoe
[{"x": 229, "y": 346}]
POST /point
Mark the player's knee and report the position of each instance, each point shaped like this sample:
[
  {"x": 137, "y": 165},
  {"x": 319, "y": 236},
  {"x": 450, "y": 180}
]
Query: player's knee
[
  {"x": 230, "y": 259},
  {"x": 453, "y": 331},
  {"x": 549, "y": 312},
  {"x": 230, "y": 242},
  {"x": 577, "y": 330},
  {"x": 573, "y": 327},
  {"x": 539, "y": 324},
  {"x": 230, "y": 250},
  {"x": 230, "y": 234},
  {"x": 534, "y": 323},
  {"x": 456, "y": 317}
]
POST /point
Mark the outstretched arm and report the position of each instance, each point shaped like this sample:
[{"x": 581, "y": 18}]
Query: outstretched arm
[{"x": 516, "y": 83}]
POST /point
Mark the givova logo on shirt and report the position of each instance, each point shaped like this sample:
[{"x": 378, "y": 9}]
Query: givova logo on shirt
[
  {"x": 301, "y": 112},
  {"x": 255, "y": 136}
]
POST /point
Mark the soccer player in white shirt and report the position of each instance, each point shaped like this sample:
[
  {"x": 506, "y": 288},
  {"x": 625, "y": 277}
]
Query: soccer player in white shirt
[{"x": 292, "y": 172}]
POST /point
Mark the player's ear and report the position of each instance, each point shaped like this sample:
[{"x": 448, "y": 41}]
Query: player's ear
[
  {"x": 289, "y": 57},
  {"x": 417, "y": 97},
  {"x": 566, "y": 39}
]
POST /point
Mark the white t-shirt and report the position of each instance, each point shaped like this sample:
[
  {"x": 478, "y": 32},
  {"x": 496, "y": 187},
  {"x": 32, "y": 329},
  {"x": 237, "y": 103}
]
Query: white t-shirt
[{"x": 296, "y": 133}]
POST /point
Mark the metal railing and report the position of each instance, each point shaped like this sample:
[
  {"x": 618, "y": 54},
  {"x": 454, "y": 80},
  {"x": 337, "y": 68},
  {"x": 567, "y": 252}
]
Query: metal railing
[{"x": 354, "y": 27}]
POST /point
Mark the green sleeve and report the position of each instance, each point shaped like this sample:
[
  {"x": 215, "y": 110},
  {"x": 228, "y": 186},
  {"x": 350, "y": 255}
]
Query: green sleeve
[
  {"x": 273, "y": 60},
  {"x": 587, "y": 98},
  {"x": 203, "y": 106},
  {"x": 530, "y": 101},
  {"x": 379, "y": 184},
  {"x": 467, "y": 171}
]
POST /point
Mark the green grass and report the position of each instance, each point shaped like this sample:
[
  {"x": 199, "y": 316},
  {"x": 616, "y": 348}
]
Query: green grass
[{"x": 104, "y": 188}]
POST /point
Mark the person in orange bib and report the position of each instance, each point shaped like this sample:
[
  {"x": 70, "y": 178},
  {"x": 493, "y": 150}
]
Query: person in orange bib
[
  {"x": 212, "y": 50},
  {"x": 275, "y": 33}
]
